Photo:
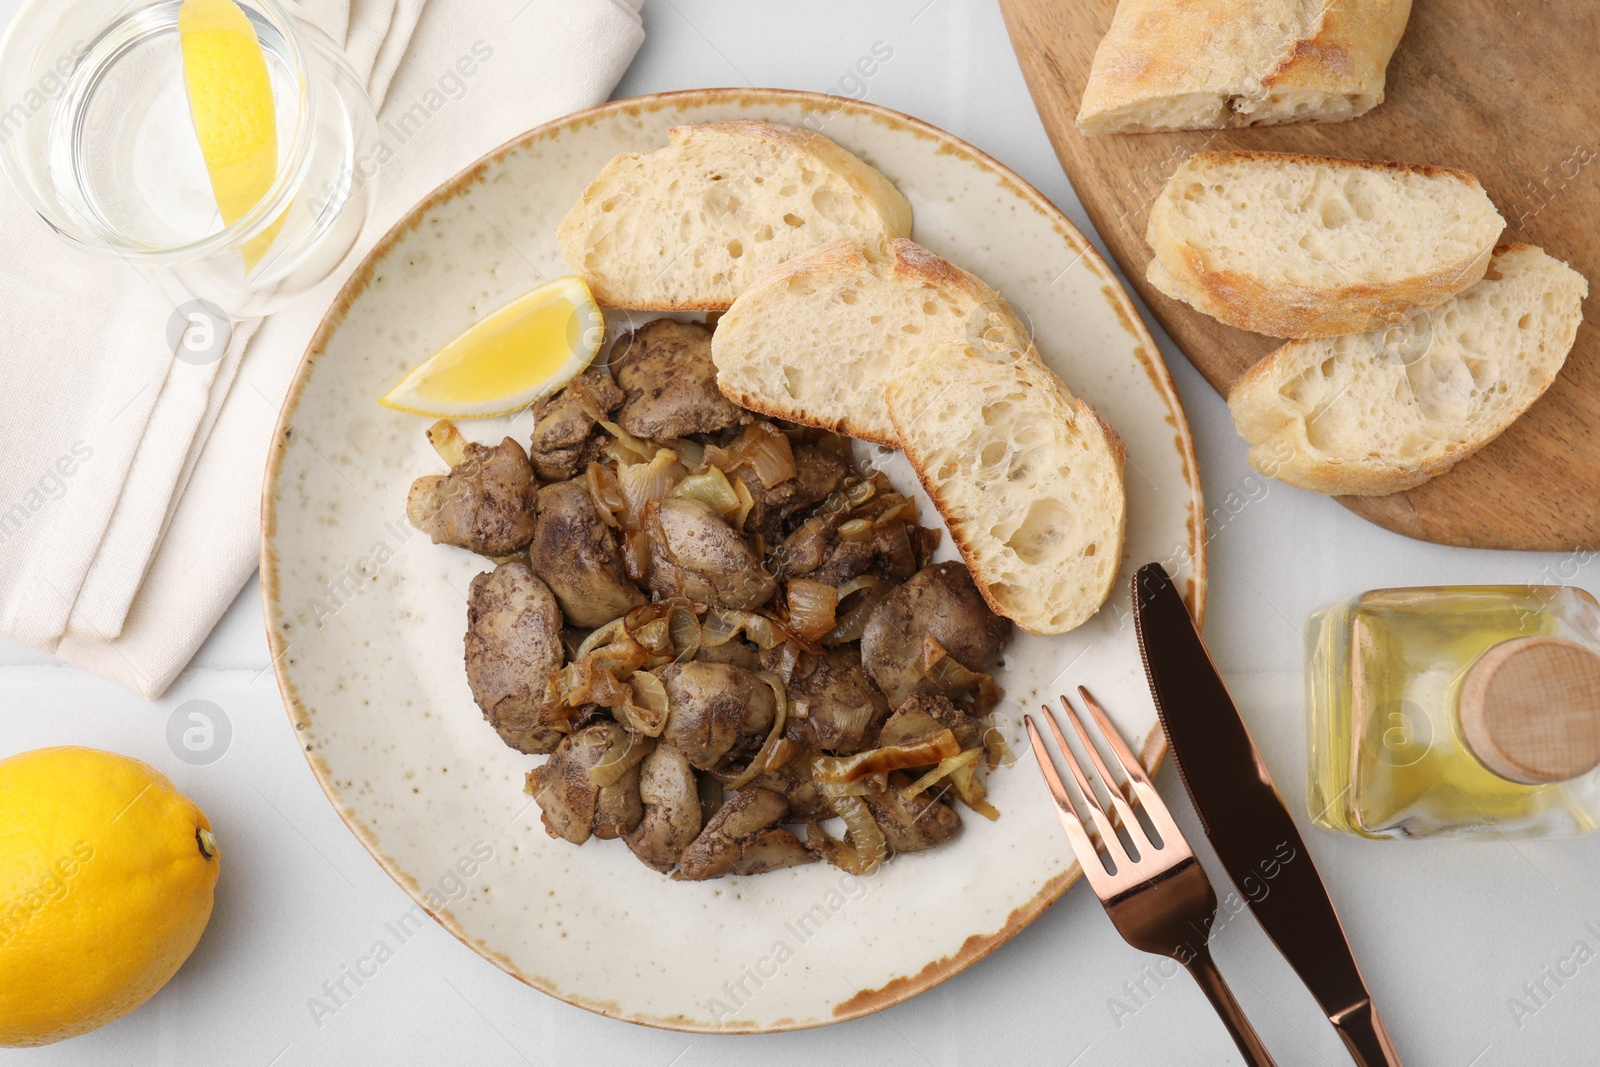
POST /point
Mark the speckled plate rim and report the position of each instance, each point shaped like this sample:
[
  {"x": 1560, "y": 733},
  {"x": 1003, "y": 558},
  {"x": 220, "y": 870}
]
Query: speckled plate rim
[{"x": 1154, "y": 747}]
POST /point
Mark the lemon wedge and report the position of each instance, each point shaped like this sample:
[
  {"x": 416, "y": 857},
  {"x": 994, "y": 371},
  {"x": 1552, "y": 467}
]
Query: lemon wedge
[
  {"x": 235, "y": 118},
  {"x": 516, "y": 356}
]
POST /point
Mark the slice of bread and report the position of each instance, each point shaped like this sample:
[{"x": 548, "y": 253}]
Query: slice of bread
[
  {"x": 816, "y": 340},
  {"x": 688, "y": 226},
  {"x": 1207, "y": 64},
  {"x": 1027, "y": 477},
  {"x": 1310, "y": 246},
  {"x": 1374, "y": 413}
]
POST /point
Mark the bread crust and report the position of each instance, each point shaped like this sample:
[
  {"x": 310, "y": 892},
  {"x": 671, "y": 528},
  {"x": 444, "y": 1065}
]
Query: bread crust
[
  {"x": 1210, "y": 64},
  {"x": 890, "y": 204},
  {"x": 907, "y": 262},
  {"x": 1280, "y": 448},
  {"x": 1280, "y": 309},
  {"x": 1426, "y": 170},
  {"x": 1350, "y": 48},
  {"x": 966, "y": 537},
  {"x": 875, "y": 190},
  {"x": 1248, "y": 396}
]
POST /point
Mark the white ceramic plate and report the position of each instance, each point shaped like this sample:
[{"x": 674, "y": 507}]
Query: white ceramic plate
[{"x": 366, "y": 617}]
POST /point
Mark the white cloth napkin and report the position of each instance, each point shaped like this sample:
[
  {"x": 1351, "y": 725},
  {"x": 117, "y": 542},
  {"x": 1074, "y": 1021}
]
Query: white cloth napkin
[{"x": 130, "y": 480}]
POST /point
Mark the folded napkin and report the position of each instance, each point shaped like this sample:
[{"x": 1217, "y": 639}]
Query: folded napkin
[{"x": 130, "y": 480}]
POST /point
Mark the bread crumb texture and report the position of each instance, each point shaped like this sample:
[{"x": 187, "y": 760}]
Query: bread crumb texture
[
  {"x": 1383, "y": 411},
  {"x": 689, "y": 226},
  {"x": 1309, "y": 246},
  {"x": 1027, "y": 477},
  {"x": 817, "y": 340}
]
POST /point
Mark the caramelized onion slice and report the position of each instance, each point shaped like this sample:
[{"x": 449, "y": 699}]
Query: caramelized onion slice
[
  {"x": 956, "y": 680},
  {"x": 945, "y": 768},
  {"x": 620, "y": 760},
  {"x": 994, "y": 745},
  {"x": 627, "y": 447},
  {"x": 684, "y": 625},
  {"x": 640, "y": 483},
  {"x": 970, "y": 789},
  {"x": 759, "y": 762},
  {"x": 867, "y": 847},
  {"x": 636, "y": 560},
  {"x": 655, "y": 635},
  {"x": 763, "y": 448},
  {"x": 646, "y": 713},
  {"x": 906, "y": 509},
  {"x": 811, "y": 607},
  {"x": 602, "y": 485},
  {"x": 448, "y": 442},
  {"x": 922, "y": 752},
  {"x": 692, "y": 454},
  {"x": 712, "y": 488},
  {"x": 868, "y": 786},
  {"x": 746, "y": 504},
  {"x": 852, "y": 721},
  {"x": 855, "y": 530},
  {"x": 784, "y": 751},
  {"x": 601, "y": 636},
  {"x": 722, "y": 625},
  {"x": 868, "y": 591}
]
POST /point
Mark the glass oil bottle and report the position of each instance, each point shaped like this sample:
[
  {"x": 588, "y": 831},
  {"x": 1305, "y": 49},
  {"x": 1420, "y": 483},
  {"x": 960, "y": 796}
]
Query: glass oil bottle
[{"x": 1456, "y": 711}]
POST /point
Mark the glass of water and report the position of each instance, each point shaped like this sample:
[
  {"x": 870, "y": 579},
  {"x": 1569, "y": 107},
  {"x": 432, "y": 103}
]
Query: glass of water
[{"x": 98, "y": 137}]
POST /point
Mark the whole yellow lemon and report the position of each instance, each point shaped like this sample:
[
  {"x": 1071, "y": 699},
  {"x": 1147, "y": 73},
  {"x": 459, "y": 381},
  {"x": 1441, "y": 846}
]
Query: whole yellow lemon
[{"x": 106, "y": 876}]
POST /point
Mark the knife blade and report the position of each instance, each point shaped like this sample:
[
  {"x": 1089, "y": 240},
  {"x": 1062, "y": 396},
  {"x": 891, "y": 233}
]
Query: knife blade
[{"x": 1243, "y": 815}]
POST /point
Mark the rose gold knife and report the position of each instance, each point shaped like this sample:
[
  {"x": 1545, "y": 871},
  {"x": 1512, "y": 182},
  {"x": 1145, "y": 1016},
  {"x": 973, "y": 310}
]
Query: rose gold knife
[{"x": 1244, "y": 816}]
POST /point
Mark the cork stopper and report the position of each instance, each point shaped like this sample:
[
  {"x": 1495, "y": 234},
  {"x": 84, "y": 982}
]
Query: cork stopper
[{"x": 1530, "y": 709}]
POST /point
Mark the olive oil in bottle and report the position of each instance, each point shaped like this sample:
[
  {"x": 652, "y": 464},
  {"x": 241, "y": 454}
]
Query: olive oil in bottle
[{"x": 1456, "y": 711}]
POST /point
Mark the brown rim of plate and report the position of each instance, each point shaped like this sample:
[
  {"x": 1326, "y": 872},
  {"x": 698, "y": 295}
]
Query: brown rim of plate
[{"x": 1153, "y": 750}]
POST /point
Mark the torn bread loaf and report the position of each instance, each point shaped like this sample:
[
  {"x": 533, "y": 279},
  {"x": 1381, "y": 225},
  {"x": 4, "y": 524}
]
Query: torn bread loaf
[
  {"x": 1208, "y": 64},
  {"x": 688, "y": 226},
  {"x": 1374, "y": 413},
  {"x": 1311, "y": 246},
  {"x": 816, "y": 340},
  {"x": 1027, "y": 477}
]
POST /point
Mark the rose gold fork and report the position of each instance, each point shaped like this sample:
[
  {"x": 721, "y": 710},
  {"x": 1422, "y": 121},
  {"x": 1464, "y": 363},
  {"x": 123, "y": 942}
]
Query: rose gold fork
[{"x": 1157, "y": 894}]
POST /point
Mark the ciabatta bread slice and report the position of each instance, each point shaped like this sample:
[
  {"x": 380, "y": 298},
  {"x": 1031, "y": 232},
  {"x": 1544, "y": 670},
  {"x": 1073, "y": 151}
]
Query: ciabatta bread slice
[
  {"x": 1311, "y": 246},
  {"x": 1374, "y": 413},
  {"x": 688, "y": 226},
  {"x": 1027, "y": 477},
  {"x": 816, "y": 340},
  {"x": 1206, "y": 64}
]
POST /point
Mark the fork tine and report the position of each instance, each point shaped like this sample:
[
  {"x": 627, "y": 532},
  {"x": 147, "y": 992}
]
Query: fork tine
[
  {"x": 1097, "y": 814},
  {"x": 1072, "y": 762},
  {"x": 1052, "y": 779},
  {"x": 1155, "y": 808},
  {"x": 1114, "y": 789},
  {"x": 1113, "y": 785},
  {"x": 1130, "y": 763},
  {"x": 1088, "y": 855}
]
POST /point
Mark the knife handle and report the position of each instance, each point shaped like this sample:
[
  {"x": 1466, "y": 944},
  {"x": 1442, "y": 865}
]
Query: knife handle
[
  {"x": 1365, "y": 1037},
  {"x": 1204, "y": 970}
]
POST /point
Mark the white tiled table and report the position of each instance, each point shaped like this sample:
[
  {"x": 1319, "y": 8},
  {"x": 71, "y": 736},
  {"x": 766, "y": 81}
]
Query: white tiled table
[{"x": 1448, "y": 934}]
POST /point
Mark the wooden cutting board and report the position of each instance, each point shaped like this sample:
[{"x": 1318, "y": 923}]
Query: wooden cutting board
[{"x": 1508, "y": 90}]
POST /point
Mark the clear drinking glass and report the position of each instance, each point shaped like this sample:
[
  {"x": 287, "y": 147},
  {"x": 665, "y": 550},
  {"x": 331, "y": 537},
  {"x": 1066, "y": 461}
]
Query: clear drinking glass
[{"x": 97, "y": 136}]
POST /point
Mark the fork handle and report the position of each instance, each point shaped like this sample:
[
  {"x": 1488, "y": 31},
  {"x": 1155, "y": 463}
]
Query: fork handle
[{"x": 1204, "y": 970}]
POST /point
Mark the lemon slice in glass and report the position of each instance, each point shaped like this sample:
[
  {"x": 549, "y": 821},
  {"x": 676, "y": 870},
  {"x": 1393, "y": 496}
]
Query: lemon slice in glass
[
  {"x": 235, "y": 116},
  {"x": 516, "y": 356}
]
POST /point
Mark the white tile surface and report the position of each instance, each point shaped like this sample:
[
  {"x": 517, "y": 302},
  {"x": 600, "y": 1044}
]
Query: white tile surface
[{"x": 1448, "y": 934}]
